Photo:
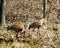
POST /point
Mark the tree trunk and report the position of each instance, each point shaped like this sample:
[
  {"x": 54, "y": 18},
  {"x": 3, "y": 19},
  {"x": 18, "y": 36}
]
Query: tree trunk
[
  {"x": 44, "y": 8},
  {"x": 2, "y": 12}
]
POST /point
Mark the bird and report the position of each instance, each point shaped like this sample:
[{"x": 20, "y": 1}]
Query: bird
[
  {"x": 37, "y": 23},
  {"x": 34, "y": 25},
  {"x": 16, "y": 27}
]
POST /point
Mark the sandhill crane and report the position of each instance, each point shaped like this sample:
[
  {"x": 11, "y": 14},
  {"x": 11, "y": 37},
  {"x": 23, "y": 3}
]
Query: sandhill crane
[
  {"x": 17, "y": 28},
  {"x": 38, "y": 24}
]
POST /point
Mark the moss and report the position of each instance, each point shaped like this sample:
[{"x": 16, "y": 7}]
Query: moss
[
  {"x": 58, "y": 47},
  {"x": 8, "y": 43},
  {"x": 13, "y": 47},
  {"x": 26, "y": 46},
  {"x": 36, "y": 46}
]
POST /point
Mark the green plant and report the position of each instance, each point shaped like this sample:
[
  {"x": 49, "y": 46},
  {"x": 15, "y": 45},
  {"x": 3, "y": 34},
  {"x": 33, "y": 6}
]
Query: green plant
[{"x": 13, "y": 47}]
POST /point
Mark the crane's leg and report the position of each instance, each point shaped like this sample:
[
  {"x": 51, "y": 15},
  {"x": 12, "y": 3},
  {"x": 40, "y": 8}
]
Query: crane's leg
[
  {"x": 17, "y": 36},
  {"x": 38, "y": 34},
  {"x": 24, "y": 35}
]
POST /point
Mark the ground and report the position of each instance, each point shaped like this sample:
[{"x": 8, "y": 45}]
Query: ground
[{"x": 26, "y": 12}]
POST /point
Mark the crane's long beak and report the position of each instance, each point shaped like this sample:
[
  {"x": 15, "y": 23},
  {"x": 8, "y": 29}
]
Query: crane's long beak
[{"x": 24, "y": 30}]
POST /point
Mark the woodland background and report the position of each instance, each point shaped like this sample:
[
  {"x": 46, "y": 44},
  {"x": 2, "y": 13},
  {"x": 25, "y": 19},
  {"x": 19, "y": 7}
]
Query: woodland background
[{"x": 25, "y": 12}]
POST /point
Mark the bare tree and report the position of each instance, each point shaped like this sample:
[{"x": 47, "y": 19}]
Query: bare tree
[
  {"x": 44, "y": 8},
  {"x": 2, "y": 14}
]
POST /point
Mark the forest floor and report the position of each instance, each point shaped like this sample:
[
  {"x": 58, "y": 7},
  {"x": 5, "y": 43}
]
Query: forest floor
[{"x": 49, "y": 37}]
